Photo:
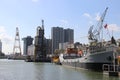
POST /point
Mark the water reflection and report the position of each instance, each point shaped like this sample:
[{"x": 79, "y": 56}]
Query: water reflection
[{"x": 20, "y": 70}]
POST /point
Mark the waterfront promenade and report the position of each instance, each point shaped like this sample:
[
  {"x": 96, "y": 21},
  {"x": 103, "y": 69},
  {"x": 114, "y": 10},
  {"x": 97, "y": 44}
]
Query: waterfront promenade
[{"x": 21, "y": 70}]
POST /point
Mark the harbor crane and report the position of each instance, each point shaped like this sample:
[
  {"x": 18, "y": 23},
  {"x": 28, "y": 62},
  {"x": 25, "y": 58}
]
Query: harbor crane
[{"x": 94, "y": 35}]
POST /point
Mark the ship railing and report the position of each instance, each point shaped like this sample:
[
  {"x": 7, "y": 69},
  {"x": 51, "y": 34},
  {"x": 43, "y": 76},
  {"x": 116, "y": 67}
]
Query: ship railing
[
  {"x": 111, "y": 68},
  {"x": 94, "y": 50}
]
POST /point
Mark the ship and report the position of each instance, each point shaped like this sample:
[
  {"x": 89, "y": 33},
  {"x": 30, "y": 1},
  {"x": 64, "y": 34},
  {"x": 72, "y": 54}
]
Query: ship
[
  {"x": 92, "y": 58},
  {"x": 94, "y": 55}
]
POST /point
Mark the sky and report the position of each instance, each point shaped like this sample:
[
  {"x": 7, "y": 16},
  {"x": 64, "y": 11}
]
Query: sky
[{"x": 75, "y": 14}]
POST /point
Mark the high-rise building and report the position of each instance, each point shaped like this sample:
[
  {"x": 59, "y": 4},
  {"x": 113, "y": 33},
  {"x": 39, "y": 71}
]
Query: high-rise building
[
  {"x": 60, "y": 35},
  {"x": 31, "y": 50},
  {"x": 0, "y": 46},
  {"x": 57, "y": 35},
  {"x": 27, "y": 42},
  {"x": 69, "y": 35}
]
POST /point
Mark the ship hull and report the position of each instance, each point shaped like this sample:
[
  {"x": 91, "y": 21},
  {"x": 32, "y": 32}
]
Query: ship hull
[
  {"x": 86, "y": 66},
  {"x": 90, "y": 62}
]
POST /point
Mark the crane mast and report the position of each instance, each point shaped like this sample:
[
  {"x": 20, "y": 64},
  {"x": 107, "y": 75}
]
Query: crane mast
[{"x": 95, "y": 35}]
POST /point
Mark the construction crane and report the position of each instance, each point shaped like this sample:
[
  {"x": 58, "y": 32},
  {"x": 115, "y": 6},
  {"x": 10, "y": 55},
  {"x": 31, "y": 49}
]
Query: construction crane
[{"x": 94, "y": 35}]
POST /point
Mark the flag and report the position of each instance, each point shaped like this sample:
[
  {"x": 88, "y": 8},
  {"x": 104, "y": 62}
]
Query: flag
[{"x": 105, "y": 26}]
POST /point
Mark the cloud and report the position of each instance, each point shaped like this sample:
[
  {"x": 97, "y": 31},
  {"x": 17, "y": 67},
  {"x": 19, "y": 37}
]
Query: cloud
[
  {"x": 2, "y": 29},
  {"x": 7, "y": 40},
  {"x": 97, "y": 17},
  {"x": 87, "y": 15},
  {"x": 35, "y": 0},
  {"x": 92, "y": 19},
  {"x": 4, "y": 36},
  {"x": 114, "y": 27},
  {"x": 64, "y": 21}
]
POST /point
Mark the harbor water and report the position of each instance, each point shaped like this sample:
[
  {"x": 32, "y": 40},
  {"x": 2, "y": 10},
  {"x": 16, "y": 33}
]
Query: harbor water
[{"x": 21, "y": 70}]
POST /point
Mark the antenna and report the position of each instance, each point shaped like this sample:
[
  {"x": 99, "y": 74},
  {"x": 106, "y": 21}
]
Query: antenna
[{"x": 42, "y": 24}]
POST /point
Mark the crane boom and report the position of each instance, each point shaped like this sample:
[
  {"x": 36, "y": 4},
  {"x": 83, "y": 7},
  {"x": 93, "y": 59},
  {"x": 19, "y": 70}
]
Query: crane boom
[{"x": 95, "y": 35}]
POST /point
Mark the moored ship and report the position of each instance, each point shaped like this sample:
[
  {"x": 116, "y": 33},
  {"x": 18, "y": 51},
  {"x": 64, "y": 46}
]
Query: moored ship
[
  {"x": 89, "y": 59},
  {"x": 93, "y": 56}
]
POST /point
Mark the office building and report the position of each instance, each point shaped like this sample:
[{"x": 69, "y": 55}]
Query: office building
[
  {"x": 27, "y": 42},
  {"x": 57, "y": 35},
  {"x": 69, "y": 35},
  {"x": 60, "y": 35},
  {"x": 31, "y": 50}
]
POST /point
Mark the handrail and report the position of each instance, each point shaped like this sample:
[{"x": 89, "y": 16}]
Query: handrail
[{"x": 110, "y": 68}]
